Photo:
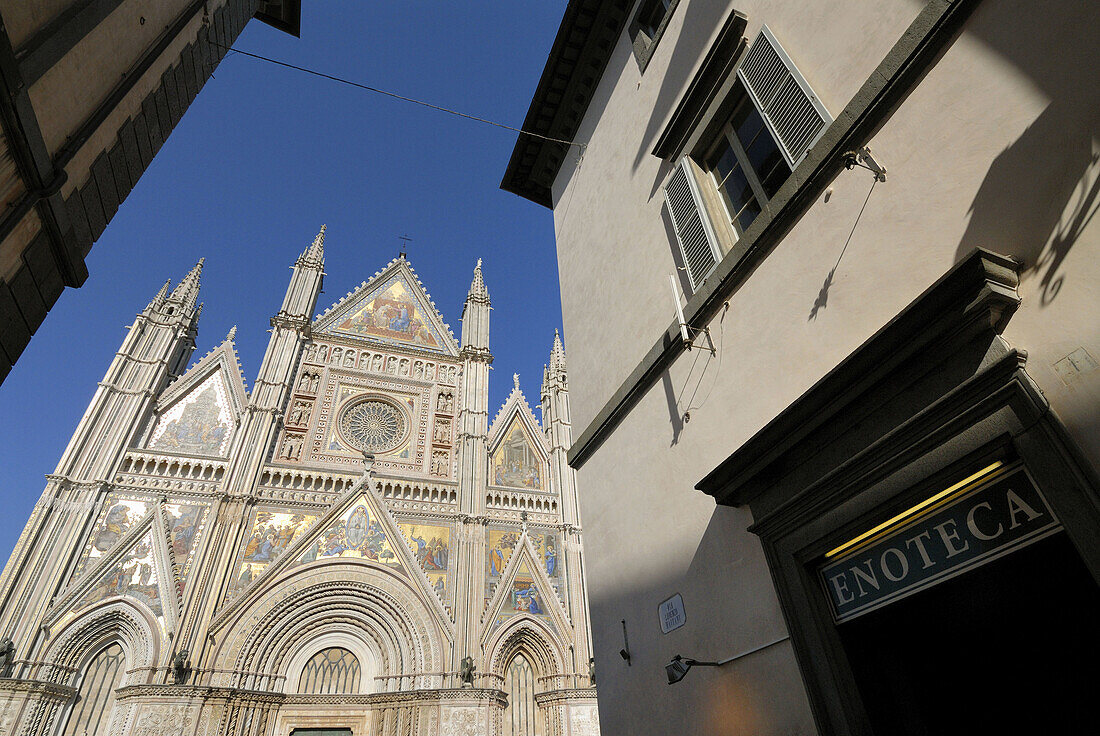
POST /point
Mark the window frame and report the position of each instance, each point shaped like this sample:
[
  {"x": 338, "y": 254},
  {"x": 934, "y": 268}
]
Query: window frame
[
  {"x": 728, "y": 135},
  {"x": 645, "y": 44}
]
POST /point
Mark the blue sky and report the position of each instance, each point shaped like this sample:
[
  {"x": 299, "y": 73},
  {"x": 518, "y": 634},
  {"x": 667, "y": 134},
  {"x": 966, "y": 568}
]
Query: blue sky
[{"x": 265, "y": 155}]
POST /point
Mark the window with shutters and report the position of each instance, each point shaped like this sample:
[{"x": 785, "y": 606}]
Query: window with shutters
[{"x": 767, "y": 125}]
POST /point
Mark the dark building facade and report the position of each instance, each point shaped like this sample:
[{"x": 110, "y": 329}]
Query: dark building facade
[{"x": 90, "y": 91}]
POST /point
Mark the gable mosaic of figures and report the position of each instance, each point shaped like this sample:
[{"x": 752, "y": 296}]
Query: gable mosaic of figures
[{"x": 329, "y": 534}]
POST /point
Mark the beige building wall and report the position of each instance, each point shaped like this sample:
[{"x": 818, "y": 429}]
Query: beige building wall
[{"x": 997, "y": 146}]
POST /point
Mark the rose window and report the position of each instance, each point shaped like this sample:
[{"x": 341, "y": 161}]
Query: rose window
[{"x": 372, "y": 425}]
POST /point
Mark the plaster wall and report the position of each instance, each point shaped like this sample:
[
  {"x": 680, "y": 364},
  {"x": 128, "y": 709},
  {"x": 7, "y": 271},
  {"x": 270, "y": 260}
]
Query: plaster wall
[
  {"x": 67, "y": 94},
  {"x": 996, "y": 147}
]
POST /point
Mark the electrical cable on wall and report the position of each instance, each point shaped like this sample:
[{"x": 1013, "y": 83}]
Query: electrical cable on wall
[{"x": 396, "y": 96}]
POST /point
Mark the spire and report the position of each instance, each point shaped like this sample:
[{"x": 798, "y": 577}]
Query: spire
[
  {"x": 477, "y": 287},
  {"x": 515, "y": 380},
  {"x": 232, "y": 333},
  {"x": 187, "y": 290},
  {"x": 557, "y": 355},
  {"x": 314, "y": 255},
  {"x": 161, "y": 295}
]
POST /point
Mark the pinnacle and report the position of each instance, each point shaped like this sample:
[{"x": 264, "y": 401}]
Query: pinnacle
[
  {"x": 477, "y": 287},
  {"x": 232, "y": 333},
  {"x": 161, "y": 295},
  {"x": 557, "y": 354},
  {"x": 187, "y": 290},
  {"x": 314, "y": 255}
]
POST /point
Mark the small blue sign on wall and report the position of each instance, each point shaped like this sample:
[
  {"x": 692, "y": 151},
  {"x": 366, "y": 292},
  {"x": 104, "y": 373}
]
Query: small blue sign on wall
[{"x": 671, "y": 614}]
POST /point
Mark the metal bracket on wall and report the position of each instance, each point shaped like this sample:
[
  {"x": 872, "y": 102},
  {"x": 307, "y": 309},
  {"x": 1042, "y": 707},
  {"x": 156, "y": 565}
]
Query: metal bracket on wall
[{"x": 865, "y": 160}]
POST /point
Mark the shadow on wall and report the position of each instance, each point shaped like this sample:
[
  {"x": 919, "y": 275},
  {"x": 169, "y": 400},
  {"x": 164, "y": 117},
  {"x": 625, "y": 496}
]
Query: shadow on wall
[
  {"x": 731, "y": 607},
  {"x": 681, "y": 64},
  {"x": 1042, "y": 191}
]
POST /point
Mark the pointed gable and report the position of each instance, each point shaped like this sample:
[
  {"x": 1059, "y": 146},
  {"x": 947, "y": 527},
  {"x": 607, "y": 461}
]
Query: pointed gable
[
  {"x": 392, "y": 308},
  {"x": 359, "y": 527},
  {"x": 524, "y": 590},
  {"x": 358, "y": 532},
  {"x": 517, "y": 453},
  {"x": 198, "y": 413}
]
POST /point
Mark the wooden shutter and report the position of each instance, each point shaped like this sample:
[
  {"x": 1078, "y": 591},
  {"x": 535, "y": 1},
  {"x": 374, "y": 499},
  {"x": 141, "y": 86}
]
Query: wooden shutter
[
  {"x": 698, "y": 244},
  {"x": 791, "y": 109}
]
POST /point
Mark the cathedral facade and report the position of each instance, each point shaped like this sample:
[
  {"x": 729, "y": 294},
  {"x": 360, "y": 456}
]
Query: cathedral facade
[{"x": 351, "y": 548}]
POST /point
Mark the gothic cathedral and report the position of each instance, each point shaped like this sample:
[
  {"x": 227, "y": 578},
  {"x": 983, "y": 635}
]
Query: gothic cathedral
[{"x": 351, "y": 548}]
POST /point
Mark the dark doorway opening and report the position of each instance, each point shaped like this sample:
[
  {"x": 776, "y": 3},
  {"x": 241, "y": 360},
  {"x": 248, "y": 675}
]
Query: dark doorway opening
[
  {"x": 321, "y": 732},
  {"x": 1010, "y": 647}
]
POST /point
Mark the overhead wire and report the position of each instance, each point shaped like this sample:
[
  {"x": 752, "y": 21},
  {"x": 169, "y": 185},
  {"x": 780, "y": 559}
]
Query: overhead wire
[{"x": 394, "y": 95}]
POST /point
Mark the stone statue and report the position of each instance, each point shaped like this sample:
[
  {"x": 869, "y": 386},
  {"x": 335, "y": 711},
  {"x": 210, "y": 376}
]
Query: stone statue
[
  {"x": 466, "y": 673},
  {"x": 181, "y": 667},
  {"x": 592, "y": 670},
  {"x": 7, "y": 657}
]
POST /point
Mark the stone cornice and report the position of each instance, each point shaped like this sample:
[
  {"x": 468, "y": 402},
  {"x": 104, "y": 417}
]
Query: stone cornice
[
  {"x": 585, "y": 41},
  {"x": 41, "y": 688}
]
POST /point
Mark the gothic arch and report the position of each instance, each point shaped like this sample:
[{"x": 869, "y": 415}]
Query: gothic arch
[
  {"x": 374, "y": 607},
  {"x": 120, "y": 620},
  {"x": 533, "y": 638},
  {"x": 127, "y": 621}
]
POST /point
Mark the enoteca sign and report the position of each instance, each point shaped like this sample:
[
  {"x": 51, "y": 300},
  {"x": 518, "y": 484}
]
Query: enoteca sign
[{"x": 967, "y": 531}]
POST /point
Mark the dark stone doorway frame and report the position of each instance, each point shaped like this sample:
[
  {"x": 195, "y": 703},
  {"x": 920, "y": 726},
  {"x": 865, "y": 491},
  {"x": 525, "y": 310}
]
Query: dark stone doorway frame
[{"x": 930, "y": 398}]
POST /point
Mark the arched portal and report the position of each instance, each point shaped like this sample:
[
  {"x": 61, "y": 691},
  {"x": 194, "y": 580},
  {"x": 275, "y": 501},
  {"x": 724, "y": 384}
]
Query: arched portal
[{"x": 95, "y": 698}]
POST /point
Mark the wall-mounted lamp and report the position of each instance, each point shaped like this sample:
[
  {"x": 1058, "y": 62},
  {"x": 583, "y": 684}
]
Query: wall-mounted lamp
[{"x": 679, "y": 666}]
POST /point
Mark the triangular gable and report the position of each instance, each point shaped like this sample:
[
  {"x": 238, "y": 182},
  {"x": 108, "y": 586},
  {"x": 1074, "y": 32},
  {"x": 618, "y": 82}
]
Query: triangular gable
[
  {"x": 524, "y": 590},
  {"x": 358, "y": 527},
  {"x": 198, "y": 414},
  {"x": 391, "y": 308},
  {"x": 138, "y": 568},
  {"x": 518, "y": 456}
]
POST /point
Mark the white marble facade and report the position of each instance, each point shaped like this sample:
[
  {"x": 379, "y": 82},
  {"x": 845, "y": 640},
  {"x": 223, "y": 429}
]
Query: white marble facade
[{"x": 321, "y": 552}]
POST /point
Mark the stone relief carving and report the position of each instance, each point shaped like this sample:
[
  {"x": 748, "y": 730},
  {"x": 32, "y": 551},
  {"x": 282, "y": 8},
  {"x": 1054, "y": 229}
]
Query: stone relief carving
[
  {"x": 163, "y": 720},
  {"x": 442, "y": 431},
  {"x": 440, "y": 462},
  {"x": 464, "y": 722}
]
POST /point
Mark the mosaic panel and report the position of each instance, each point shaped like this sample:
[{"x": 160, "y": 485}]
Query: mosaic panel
[
  {"x": 185, "y": 523},
  {"x": 524, "y": 596},
  {"x": 391, "y": 312},
  {"x": 357, "y": 533},
  {"x": 515, "y": 462},
  {"x": 134, "y": 575},
  {"x": 119, "y": 515},
  {"x": 431, "y": 546},
  {"x": 271, "y": 533},
  {"x": 198, "y": 424}
]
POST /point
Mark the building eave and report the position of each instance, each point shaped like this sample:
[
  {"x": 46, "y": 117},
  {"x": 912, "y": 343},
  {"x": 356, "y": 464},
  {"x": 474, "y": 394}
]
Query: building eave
[
  {"x": 286, "y": 15},
  {"x": 585, "y": 41}
]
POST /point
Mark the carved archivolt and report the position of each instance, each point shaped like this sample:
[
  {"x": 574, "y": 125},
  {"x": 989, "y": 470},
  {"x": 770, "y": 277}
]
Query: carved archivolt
[
  {"x": 531, "y": 637},
  {"x": 373, "y": 607},
  {"x": 126, "y": 621}
]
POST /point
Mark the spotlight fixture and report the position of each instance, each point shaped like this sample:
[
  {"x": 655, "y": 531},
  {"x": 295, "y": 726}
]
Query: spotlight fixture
[{"x": 679, "y": 666}]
